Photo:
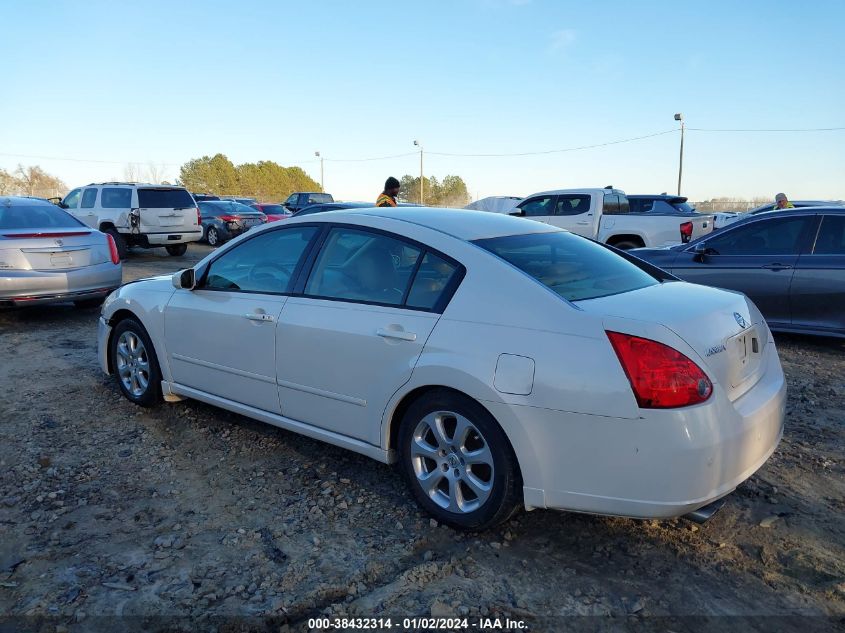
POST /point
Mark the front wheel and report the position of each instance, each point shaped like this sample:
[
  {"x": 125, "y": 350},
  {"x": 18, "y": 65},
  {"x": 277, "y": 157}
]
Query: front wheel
[
  {"x": 627, "y": 245},
  {"x": 177, "y": 250},
  {"x": 458, "y": 461},
  {"x": 135, "y": 365}
]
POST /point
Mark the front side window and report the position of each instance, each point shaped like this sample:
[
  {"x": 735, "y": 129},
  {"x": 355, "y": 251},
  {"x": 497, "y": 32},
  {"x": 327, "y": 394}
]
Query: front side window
[
  {"x": 782, "y": 236},
  {"x": 831, "y": 238},
  {"x": 572, "y": 266},
  {"x": 71, "y": 200},
  {"x": 572, "y": 204},
  {"x": 358, "y": 265},
  {"x": 539, "y": 206},
  {"x": 89, "y": 198},
  {"x": 116, "y": 198},
  {"x": 265, "y": 264}
]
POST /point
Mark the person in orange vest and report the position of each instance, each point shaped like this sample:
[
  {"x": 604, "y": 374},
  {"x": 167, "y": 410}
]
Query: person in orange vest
[{"x": 387, "y": 198}]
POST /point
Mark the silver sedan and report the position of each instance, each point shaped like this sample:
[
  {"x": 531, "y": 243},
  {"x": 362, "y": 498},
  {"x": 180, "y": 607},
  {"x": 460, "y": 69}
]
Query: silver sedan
[{"x": 47, "y": 256}]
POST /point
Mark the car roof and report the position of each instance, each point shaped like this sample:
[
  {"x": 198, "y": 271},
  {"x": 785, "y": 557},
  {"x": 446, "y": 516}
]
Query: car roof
[
  {"x": 463, "y": 224},
  {"x": 578, "y": 190},
  {"x": 8, "y": 201}
]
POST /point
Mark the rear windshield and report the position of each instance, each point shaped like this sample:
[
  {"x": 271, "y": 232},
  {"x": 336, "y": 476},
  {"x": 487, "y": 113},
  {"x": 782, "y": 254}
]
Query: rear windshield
[
  {"x": 684, "y": 207},
  {"x": 227, "y": 207},
  {"x": 273, "y": 208},
  {"x": 164, "y": 199},
  {"x": 32, "y": 216},
  {"x": 314, "y": 198},
  {"x": 572, "y": 266}
]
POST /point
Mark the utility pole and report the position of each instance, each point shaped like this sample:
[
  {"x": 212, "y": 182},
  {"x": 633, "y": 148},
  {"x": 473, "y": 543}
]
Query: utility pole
[
  {"x": 322, "y": 182},
  {"x": 680, "y": 117},
  {"x": 422, "y": 186}
]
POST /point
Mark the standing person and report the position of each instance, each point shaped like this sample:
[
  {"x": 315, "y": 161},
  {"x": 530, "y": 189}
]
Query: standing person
[
  {"x": 781, "y": 202},
  {"x": 387, "y": 198}
]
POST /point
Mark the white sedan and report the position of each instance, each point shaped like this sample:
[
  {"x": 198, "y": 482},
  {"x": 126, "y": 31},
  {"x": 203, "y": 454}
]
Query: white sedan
[{"x": 501, "y": 362}]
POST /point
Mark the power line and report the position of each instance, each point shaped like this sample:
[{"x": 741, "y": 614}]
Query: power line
[
  {"x": 361, "y": 160},
  {"x": 805, "y": 129}
]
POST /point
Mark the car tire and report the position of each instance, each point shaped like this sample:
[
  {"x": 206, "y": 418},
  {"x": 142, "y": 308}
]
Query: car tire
[
  {"x": 626, "y": 245},
  {"x": 177, "y": 250},
  {"x": 212, "y": 236},
  {"x": 469, "y": 480},
  {"x": 119, "y": 241},
  {"x": 88, "y": 304},
  {"x": 135, "y": 365}
]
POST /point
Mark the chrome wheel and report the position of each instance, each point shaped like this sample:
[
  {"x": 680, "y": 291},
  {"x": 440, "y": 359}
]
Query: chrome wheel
[
  {"x": 452, "y": 462},
  {"x": 212, "y": 237},
  {"x": 133, "y": 363}
]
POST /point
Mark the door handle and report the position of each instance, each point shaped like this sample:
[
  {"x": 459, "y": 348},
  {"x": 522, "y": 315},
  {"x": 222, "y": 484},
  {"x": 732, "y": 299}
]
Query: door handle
[
  {"x": 257, "y": 316},
  {"x": 584, "y": 223},
  {"x": 397, "y": 334},
  {"x": 777, "y": 267}
]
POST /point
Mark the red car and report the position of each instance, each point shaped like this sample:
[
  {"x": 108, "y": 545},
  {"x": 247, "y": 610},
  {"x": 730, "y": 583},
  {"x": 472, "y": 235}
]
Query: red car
[{"x": 272, "y": 211}]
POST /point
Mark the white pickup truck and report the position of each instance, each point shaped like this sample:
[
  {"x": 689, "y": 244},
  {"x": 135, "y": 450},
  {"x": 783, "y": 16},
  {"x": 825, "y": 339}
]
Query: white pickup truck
[{"x": 604, "y": 215}]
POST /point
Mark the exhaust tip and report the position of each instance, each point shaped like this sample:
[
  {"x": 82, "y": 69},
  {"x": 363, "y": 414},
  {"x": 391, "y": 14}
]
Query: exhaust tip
[{"x": 704, "y": 513}]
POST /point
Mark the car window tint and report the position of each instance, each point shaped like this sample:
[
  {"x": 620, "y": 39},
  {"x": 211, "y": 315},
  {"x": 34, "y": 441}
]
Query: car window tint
[
  {"x": 362, "y": 266},
  {"x": 831, "y": 238},
  {"x": 572, "y": 266},
  {"x": 572, "y": 204},
  {"x": 265, "y": 263},
  {"x": 89, "y": 197},
  {"x": 774, "y": 236},
  {"x": 71, "y": 201},
  {"x": 36, "y": 216},
  {"x": 114, "y": 198},
  {"x": 541, "y": 205},
  {"x": 644, "y": 206},
  {"x": 164, "y": 199},
  {"x": 430, "y": 282},
  {"x": 611, "y": 205}
]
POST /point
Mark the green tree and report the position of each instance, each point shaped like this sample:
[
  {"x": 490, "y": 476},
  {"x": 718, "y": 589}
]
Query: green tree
[
  {"x": 216, "y": 174},
  {"x": 452, "y": 192}
]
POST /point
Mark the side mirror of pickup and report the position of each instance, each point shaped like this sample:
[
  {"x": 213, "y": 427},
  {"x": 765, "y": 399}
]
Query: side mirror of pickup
[
  {"x": 184, "y": 279},
  {"x": 517, "y": 212}
]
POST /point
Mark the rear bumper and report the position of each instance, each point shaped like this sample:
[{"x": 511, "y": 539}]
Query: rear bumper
[
  {"x": 31, "y": 287},
  {"x": 666, "y": 464},
  {"x": 169, "y": 239}
]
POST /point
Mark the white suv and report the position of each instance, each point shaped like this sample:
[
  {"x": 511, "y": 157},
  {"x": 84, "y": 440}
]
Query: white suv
[{"x": 136, "y": 214}]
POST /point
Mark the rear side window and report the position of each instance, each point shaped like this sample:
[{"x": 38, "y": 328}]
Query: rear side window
[
  {"x": 572, "y": 266},
  {"x": 572, "y": 204},
  {"x": 431, "y": 281},
  {"x": 831, "y": 238},
  {"x": 31, "y": 216},
  {"x": 89, "y": 198},
  {"x": 115, "y": 198},
  {"x": 161, "y": 198}
]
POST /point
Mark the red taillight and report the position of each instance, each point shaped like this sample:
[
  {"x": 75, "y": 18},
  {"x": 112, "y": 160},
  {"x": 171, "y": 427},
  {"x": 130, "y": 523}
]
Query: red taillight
[
  {"x": 199, "y": 217},
  {"x": 115, "y": 256},
  {"x": 30, "y": 235},
  {"x": 686, "y": 232},
  {"x": 229, "y": 218},
  {"x": 661, "y": 377}
]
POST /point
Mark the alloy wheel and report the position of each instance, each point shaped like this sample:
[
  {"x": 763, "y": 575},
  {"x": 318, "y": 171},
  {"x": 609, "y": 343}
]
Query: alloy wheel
[{"x": 133, "y": 364}]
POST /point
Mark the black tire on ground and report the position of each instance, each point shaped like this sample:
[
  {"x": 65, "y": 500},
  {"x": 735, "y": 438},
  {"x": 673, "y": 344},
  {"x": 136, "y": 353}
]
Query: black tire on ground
[
  {"x": 120, "y": 242},
  {"x": 212, "y": 236},
  {"x": 627, "y": 245},
  {"x": 150, "y": 395},
  {"x": 177, "y": 250},
  {"x": 504, "y": 481},
  {"x": 87, "y": 304}
]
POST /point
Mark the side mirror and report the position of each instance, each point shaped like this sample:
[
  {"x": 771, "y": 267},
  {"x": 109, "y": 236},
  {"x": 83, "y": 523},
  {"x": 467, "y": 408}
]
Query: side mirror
[
  {"x": 184, "y": 279},
  {"x": 701, "y": 252},
  {"x": 517, "y": 212}
]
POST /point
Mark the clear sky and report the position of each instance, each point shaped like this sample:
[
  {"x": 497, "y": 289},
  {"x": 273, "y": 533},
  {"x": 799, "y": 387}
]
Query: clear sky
[{"x": 162, "y": 82}]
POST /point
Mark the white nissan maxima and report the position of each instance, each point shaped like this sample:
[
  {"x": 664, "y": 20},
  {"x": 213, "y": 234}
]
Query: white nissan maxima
[{"x": 502, "y": 362}]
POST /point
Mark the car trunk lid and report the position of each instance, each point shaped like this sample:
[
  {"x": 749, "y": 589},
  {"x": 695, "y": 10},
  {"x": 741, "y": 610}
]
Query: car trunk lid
[
  {"x": 50, "y": 250},
  {"x": 166, "y": 209},
  {"x": 716, "y": 324}
]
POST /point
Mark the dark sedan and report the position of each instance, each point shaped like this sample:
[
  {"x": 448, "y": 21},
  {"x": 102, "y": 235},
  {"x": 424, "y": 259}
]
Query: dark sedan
[
  {"x": 224, "y": 219},
  {"x": 791, "y": 263},
  {"x": 332, "y": 206}
]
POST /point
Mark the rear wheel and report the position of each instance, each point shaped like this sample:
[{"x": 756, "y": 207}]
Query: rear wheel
[
  {"x": 135, "y": 365},
  {"x": 627, "y": 245},
  {"x": 212, "y": 236},
  {"x": 177, "y": 250},
  {"x": 119, "y": 241},
  {"x": 458, "y": 461}
]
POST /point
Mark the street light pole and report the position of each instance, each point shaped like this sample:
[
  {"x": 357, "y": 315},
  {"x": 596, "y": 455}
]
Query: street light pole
[
  {"x": 422, "y": 186},
  {"x": 322, "y": 183},
  {"x": 680, "y": 117}
]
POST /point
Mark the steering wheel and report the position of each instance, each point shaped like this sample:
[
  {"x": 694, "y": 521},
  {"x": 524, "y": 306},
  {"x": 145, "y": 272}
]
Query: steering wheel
[{"x": 262, "y": 270}]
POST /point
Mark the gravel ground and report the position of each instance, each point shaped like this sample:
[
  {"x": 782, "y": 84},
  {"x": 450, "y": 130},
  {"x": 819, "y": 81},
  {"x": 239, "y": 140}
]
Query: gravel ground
[{"x": 186, "y": 510}]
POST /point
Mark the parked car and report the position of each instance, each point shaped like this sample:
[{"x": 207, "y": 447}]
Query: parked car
[
  {"x": 605, "y": 216},
  {"x": 499, "y": 361},
  {"x": 274, "y": 212},
  {"x": 663, "y": 204},
  {"x": 239, "y": 199},
  {"x": 332, "y": 206},
  {"x": 202, "y": 197},
  {"x": 723, "y": 219},
  {"x": 135, "y": 214},
  {"x": 224, "y": 219},
  {"x": 301, "y": 199},
  {"x": 48, "y": 256},
  {"x": 790, "y": 263}
]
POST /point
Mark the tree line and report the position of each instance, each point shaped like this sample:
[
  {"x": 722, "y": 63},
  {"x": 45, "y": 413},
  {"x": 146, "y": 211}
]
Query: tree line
[
  {"x": 451, "y": 192},
  {"x": 31, "y": 181}
]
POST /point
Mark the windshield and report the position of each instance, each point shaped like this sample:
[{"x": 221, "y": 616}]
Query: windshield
[
  {"x": 574, "y": 267},
  {"x": 36, "y": 216},
  {"x": 273, "y": 208},
  {"x": 164, "y": 199}
]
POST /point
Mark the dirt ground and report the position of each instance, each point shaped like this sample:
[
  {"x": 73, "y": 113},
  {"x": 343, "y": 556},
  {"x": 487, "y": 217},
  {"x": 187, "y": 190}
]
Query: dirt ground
[{"x": 193, "y": 513}]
